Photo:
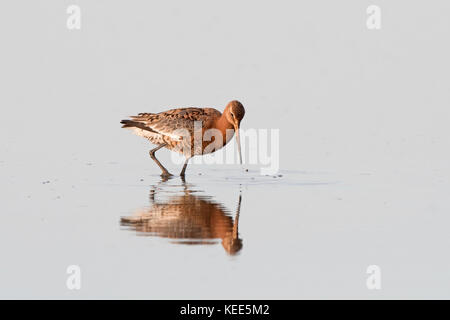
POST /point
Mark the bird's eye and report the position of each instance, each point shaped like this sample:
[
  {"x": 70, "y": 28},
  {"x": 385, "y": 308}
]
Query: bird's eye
[{"x": 232, "y": 115}]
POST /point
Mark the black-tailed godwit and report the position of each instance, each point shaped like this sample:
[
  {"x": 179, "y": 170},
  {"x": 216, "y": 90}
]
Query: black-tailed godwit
[{"x": 179, "y": 130}]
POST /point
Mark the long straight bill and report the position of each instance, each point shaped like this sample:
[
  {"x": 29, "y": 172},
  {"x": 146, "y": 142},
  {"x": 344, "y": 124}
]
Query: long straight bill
[{"x": 238, "y": 140}]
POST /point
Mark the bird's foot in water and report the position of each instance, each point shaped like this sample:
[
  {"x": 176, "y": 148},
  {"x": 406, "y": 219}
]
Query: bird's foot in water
[{"x": 166, "y": 175}]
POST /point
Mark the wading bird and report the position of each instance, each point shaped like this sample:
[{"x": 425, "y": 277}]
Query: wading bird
[{"x": 189, "y": 131}]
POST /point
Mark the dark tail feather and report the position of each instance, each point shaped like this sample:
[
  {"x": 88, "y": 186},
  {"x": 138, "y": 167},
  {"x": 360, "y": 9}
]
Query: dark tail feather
[
  {"x": 129, "y": 124},
  {"x": 135, "y": 124}
]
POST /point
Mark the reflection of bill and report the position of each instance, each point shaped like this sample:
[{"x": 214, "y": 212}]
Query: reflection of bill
[{"x": 188, "y": 219}]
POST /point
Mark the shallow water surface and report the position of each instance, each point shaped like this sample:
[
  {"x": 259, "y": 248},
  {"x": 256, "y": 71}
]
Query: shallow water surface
[{"x": 222, "y": 232}]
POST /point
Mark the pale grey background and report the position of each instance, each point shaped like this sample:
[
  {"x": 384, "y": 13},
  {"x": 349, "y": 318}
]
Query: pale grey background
[{"x": 363, "y": 118}]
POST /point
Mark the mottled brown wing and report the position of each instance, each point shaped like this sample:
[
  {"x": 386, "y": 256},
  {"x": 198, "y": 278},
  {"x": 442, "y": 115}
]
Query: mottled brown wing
[{"x": 171, "y": 123}]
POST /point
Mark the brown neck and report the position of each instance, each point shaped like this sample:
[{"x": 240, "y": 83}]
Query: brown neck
[{"x": 222, "y": 124}]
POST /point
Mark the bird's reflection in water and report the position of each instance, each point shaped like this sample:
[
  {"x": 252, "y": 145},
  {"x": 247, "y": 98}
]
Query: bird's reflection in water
[{"x": 187, "y": 218}]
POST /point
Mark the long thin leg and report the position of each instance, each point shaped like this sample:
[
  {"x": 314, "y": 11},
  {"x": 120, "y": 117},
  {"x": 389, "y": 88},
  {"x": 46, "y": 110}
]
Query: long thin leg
[
  {"x": 152, "y": 155},
  {"x": 184, "y": 167}
]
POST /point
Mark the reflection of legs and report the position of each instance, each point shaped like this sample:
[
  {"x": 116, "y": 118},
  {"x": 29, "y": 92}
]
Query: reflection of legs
[
  {"x": 155, "y": 188},
  {"x": 152, "y": 155},
  {"x": 184, "y": 167}
]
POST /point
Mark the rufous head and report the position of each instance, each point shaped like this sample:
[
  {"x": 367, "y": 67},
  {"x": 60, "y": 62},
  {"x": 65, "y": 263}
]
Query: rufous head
[{"x": 234, "y": 113}]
